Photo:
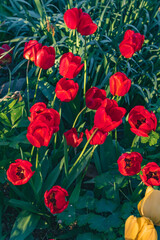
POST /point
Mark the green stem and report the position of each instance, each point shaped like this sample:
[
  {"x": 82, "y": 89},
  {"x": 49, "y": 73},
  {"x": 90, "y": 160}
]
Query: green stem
[
  {"x": 78, "y": 117},
  {"x": 10, "y": 77},
  {"x": 126, "y": 65},
  {"x": 35, "y": 94},
  {"x": 73, "y": 41},
  {"x": 55, "y": 140},
  {"x": 27, "y": 81},
  {"x": 115, "y": 68},
  {"x": 116, "y": 142},
  {"x": 83, "y": 150},
  {"x": 77, "y": 42},
  {"x": 31, "y": 153},
  {"x": 37, "y": 158},
  {"x": 52, "y": 104},
  {"x": 135, "y": 140},
  {"x": 85, "y": 68}
]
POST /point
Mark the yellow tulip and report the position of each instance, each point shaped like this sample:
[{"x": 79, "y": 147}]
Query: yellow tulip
[
  {"x": 149, "y": 206},
  {"x": 140, "y": 229}
]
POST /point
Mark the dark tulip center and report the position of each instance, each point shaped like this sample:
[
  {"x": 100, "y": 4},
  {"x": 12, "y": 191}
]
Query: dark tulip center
[
  {"x": 52, "y": 199},
  {"x": 152, "y": 175},
  {"x": 20, "y": 172},
  {"x": 128, "y": 162},
  {"x": 139, "y": 122}
]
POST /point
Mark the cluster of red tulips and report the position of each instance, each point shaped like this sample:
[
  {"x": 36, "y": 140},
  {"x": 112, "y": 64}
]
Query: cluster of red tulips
[{"x": 45, "y": 122}]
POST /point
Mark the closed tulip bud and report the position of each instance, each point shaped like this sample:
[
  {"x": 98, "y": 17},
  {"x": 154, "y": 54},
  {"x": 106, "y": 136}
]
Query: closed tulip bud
[
  {"x": 140, "y": 229},
  {"x": 119, "y": 84},
  {"x": 149, "y": 206}
]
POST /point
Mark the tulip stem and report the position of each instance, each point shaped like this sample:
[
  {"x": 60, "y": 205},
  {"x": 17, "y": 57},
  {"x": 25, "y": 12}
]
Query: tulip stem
[
  {"x": 135, "y": 140},
  {"x": 31, "y": 153},
  {"x": 35, "y": 94},
  {"x": 85, "y": 67},
  {"x": 115, "y": 68},
  {"x": 52, "y": 104},
  {"x": 77, "y": 42},
  {"x": 27, "y": 81},
  {"x": 10, "y": 77},
  {"x": 126, "y": 65},
  {"x": 116, "y": 145},
  {"x": 83, "y": 150},
  {"x": 37, "y": 158},
  {"x": 78, "y": 117}
]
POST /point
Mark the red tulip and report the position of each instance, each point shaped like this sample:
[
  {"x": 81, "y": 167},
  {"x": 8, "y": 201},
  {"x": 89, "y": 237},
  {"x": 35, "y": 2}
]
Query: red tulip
[
  {"x": 19, "y": 172},
  {"x": 72, "y": 137},
  {"x": 129, "y": 164},
  {"x": 119, "y": 84},
  {"x": 45, "y": 57},
  {"x": 55, "y": 199},
  {"x": 142, "y": 121},
  {"x": 36, "y": 109},
  {"x": 151, "y": 174},
  {"x": 70, "y": 65},
  {"x": 98, "y": 138},
  {"x": 131, "y": 43},
  {"x": 108, "y": 116},
  {"x": 66, "y": 90},
  {"x": 7, "y": 59},
  {"x": 30, "y": 49},
  {"x": 76, "y": 19},
  {"x": 39, "y": 133},
  {"x": 94, "y": 97},
  {"x": 42, "y": 127},
  {"x": 51, "y": 117}
]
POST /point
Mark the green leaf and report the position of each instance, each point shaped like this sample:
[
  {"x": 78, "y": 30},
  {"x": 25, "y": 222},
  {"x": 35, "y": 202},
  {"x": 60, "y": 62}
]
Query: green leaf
[
  {"x": 52, "y": 177},
  {"x": 68, "y": 215},
  {"x": 78, "y": 168},
  {"x": 23, "y": 205},
  {"x": 86, "y": 201},
  {"x": 107, "y": 154},
  {"x": 47, "y": 89},
  {"x": 2, "y": 176},
  {"x": 104, "y": 205},
  {"x": 4, "y": 119},
  {"x": 88, "y": 236},
  {"x": 25, "y": 224},
  {"x": 152, "y": 139},
  {"x": 17, "y": 112},
  {"x": 38, "y": 180}
]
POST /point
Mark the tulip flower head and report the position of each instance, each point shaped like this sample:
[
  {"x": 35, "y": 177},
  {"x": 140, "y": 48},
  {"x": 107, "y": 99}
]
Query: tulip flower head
[
  {"x": 44, "y": 122},
  {"x": 36, "y": 109},
  {"x": 142, "y": 121},
  {"x": 129, "y": 164},
  {"x": 94, "y": 97},
  {"x": 20, "y": 172},
  {"x": 7, "y": 59},
  {"x": 30, "y": 49},
  {"x": 55, "y": 199},
  {"x": 66, "y": 90},
  {"x": 149, "y": 206},
  {"x": 151, "y": 174},
  {"x": 70, "y": 65},
  {"x": 45, "y": 57},
  {"x": 75, "y": 18},
  {"x": 141, "y": 228},
  {"x": 72, "y": 137},
  {"x": 98, "y": 138},
  {"x": 131, "y": 43},
  {"x": 119, "y": 84},
  {"x": 109, "y": 115}
]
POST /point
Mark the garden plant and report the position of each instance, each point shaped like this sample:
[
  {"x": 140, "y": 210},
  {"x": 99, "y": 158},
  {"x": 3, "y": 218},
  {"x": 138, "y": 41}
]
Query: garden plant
[{"x": 79, "y": 120}]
